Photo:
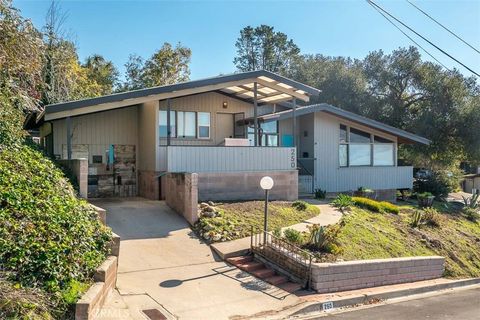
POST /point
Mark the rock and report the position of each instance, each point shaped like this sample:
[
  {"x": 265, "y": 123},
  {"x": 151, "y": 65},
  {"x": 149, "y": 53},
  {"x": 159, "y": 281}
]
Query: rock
[
  {"x": 209, "y": 208},
  {"x": 217, "y": 237},
  {"x": 203, "y": 205},
  {"x": 211, "y": 203},
  {"x": 208, "y": 214}
]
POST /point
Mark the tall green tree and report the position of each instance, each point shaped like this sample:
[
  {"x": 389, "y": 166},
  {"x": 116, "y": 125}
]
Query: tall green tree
[
  {"x": 168, "y": 65},
  {"x": 264, "y": 48},
  {"x": 103, "y": 72}
]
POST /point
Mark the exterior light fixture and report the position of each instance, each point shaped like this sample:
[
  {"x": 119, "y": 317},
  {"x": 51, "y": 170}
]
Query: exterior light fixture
[
  {"x": 225, "y": 104},
  {"x": 266, "y": 183}
]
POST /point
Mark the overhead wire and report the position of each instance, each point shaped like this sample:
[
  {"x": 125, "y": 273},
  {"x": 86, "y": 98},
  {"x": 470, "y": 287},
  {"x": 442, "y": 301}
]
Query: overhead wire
[
  {"x": 444, "y": 27},
  {"x": 373, "y": 4}
]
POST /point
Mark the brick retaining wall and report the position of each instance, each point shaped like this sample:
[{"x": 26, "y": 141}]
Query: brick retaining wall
[
  {"x": 181, "y": 194},
  {"x": 92, "y": 301},
  {"x": 79, "y": 168},
  {"x": 351, "y": 275}
]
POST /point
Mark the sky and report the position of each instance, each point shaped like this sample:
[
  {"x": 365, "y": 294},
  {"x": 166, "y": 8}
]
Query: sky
[{"x": 116, "y": 29}]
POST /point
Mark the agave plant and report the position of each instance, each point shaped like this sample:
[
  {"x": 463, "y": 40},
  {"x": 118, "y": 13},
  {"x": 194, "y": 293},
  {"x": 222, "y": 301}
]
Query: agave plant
[{"x": 472, "y": 202}]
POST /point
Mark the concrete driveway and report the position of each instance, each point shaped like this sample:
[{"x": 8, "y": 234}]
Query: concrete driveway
[{"x": 164, "y": 266}]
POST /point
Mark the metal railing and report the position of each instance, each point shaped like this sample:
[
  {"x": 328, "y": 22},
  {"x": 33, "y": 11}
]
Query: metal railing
[
  {"x": 292, "y": 259},
  {"x": 303, "y": 171}
]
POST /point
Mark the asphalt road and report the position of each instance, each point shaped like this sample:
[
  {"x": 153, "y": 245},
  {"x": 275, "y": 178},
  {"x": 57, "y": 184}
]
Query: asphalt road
[{"x": 458, "y": 305}]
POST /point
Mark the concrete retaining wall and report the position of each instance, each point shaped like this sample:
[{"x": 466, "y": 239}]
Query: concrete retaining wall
[
  {"x": 221, "y": 186},
  {"x": 352, "y": 275},
  {"x": 92, "y": 301},
  {"x": 181, "y": 194},
  {"x": 79, "y": 168}
]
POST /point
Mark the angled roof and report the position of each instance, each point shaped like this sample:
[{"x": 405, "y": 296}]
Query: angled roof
[
  {"x": 271, "y": 88},
  {"x": 403, "y": 135}
]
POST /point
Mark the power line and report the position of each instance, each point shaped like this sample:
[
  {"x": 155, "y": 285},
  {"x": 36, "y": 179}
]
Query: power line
[
  {"x": 425, "y": 39},
  {"x": 441, "y": 25},
  {"x": 411, "y": 39}
]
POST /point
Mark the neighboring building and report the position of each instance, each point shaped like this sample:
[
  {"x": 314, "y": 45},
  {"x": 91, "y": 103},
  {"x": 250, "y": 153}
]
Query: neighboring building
[
  {"x": 230, "y": 130},
  {"x": 471, "y": 183}
]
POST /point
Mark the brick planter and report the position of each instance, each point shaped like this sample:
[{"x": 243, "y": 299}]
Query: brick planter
[{"x": 352, "y": 275}]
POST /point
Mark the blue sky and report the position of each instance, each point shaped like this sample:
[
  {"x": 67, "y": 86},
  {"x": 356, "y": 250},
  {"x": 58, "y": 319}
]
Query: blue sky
[{"x": 337, "y": 28}]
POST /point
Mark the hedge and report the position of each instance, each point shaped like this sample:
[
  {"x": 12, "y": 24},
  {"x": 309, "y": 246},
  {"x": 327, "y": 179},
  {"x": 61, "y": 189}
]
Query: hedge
[{"x": 374, "y": 205}]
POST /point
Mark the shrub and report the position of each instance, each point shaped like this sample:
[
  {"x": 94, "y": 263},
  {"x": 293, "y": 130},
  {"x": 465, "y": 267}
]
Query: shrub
[
  {"x": 374, "y": 205},
  {"x": 293, "y": 236},
  {"x": 431, "y": 217},
  {"x": 300, "y": 205},
  {"x": 342, "y": 202},
  {"x": 48, "y": 237},
  {"x": 323, "y": 238},
  {"x": 428, "y": 216},
  {"x": 471, "y": 214},
  {"x": 440, "y": 183},
  {"x": 320, "y": 194}
]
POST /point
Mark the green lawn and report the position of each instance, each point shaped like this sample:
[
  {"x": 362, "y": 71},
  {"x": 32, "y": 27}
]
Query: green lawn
[{"x": 235, "y": 219}]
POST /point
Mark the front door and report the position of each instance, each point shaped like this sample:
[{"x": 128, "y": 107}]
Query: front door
[{"x": 224, "y": 127}]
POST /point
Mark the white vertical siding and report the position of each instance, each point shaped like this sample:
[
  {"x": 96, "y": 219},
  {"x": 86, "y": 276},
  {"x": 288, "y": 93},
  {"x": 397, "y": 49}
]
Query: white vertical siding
[
  {"x": 98, "y": 131},
  {"x": 329, "y": 176},
  {"x": 228, "y": 159}
]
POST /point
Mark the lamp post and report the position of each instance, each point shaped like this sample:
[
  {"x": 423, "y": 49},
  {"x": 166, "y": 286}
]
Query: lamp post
[{"x": 266, "y": 183}]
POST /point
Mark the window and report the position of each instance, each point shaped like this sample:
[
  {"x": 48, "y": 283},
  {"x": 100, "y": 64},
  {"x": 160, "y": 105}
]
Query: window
[
  {"x": 186, "y": 124},
  {"x": 162, "y": 124},
  {"x": 383, "y": 152},
  {"x": 360, "y": 148},
  {"x": 97, "y": 159},
  {"x": 204, "y": 125},
  {"x": 268, "y": 134}
]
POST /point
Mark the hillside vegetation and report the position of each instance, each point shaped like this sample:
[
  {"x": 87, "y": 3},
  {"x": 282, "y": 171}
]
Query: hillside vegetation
[
  {"x": 50, "y": 240},
  {"x": 364, "y": 234}
]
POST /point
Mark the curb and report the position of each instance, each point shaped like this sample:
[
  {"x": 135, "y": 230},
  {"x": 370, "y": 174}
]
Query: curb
[{"x": 318, "y": 306}]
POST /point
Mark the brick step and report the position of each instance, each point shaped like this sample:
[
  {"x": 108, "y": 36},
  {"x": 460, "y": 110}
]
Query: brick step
[
  {"x": 239, "y": 260},
  {"x": 263, "y": 273},
  {"x": 260, "y": 271},
  {"x": 251, "y": 266},
  {"x": 276, "y": 280}
]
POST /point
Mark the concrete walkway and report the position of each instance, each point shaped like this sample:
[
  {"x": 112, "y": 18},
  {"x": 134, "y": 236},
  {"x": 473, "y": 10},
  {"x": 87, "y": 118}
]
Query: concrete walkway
[
  {"x": 328, "y": 215},
  {"x": 164, "y": 266}
]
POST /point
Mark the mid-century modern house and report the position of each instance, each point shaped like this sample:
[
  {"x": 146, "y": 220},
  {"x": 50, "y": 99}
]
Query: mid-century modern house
[{"x": 230, "y": 130}]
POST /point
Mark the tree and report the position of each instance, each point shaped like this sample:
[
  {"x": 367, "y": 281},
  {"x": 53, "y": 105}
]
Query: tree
[
  {"x": 103, "y": 72},
  {"x": 21, "y": 52},
  {"x": 263, "y": 48},
  {"x": 403, "y": 91},
  {"x": 168, "y": 65}
]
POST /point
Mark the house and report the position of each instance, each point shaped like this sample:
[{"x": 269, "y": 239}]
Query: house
[{"x": 230, "y": 131}]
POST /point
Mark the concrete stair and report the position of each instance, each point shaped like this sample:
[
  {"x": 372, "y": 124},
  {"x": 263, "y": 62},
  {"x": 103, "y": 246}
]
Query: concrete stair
[{"x": 260, "y": 271}]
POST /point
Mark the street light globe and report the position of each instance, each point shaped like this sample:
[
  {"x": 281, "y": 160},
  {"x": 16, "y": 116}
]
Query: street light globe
[{"x": 266, "y": 183}]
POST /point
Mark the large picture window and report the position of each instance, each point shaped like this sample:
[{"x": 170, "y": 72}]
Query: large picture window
[
  {"x": 360, "y": 148},
  {"x": 268, "y": 136},
  {"x": 185, "y": 124}
]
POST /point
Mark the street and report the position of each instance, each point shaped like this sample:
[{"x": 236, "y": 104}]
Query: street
[{"x": 459, "y": 305}]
